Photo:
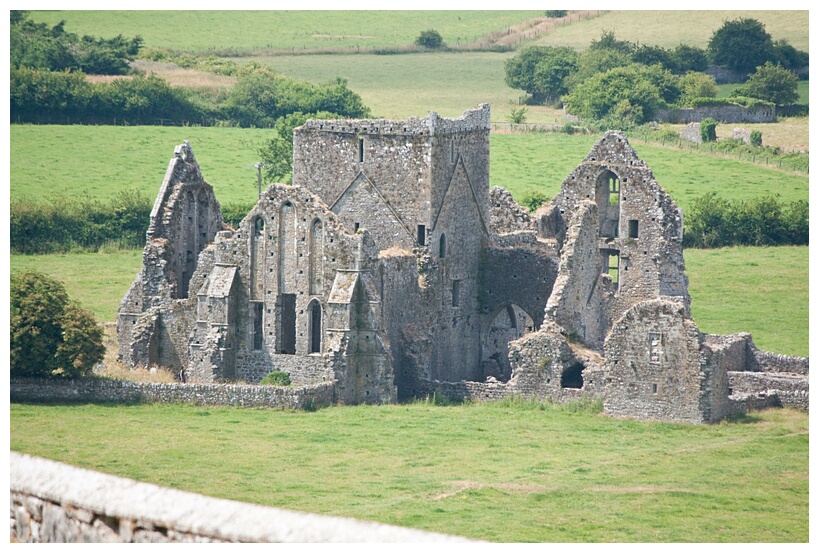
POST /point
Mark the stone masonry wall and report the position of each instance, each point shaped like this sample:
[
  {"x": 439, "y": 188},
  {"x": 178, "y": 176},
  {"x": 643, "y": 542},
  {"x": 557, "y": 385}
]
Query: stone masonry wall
[
  {"x": 56, "y": 503},
  {"x": 227, "y": 395},
  {"x": 723, "y": 114}
]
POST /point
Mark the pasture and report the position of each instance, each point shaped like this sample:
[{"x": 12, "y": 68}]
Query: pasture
[
  {"x": 669, "y": 28},
  {"x": 508, "y": 471},
  {"x": 99, "y": 161},
  {"x": 241, "y": 32}
]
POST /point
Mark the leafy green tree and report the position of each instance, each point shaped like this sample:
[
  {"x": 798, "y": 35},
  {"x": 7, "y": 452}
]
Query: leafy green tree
[
  {"x": 600, "y": 94},
  {"x": 697, "y": 85},
  {"x": 772, "y": 83},
  {"x": 430, "y": 39},
  {"x": 609, "y": 42},
  {"x": 277, "y": 153},
  {"x": 50, "y": 336},
  {"x": 594, "y": 62},
  {"x": 690, "y": 58},
  {"x": 741, "y": 44},
  {"x": 540, "y": 71},
  {"x": 653, "y": 55},
  {"x": 789, "y": 57}
]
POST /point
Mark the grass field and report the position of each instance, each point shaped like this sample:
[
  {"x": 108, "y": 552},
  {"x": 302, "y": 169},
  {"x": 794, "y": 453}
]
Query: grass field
[
  {"x": 759, "y": 290},
  {"x": 506, "y": 471},
  {"x": 80, "y": 163},
  {"x": 669, "y": 28},
  {"x": 265, "y": 30}
]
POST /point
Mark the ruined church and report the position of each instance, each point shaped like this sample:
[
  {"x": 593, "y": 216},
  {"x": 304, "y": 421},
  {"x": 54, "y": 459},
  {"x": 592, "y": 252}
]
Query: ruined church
[{"x": 391, "y": 269}]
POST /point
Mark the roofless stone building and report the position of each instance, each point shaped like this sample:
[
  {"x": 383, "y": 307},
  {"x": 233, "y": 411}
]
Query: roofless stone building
[{"x": 391, "y": 269}]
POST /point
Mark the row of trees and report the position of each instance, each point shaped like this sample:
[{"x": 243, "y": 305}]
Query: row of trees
[
  {"x": 626, "y": 81},
  {"x": 39, "y": 46},
  {"x": 260, "y": 97},
  {"x": 714, "y": 222}
]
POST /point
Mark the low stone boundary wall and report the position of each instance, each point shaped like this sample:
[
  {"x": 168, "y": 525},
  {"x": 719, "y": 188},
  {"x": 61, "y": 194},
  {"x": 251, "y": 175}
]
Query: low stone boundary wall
[
  {"x": 791, "y": 390},
  {"x": 56, "y": 503},
  {"x": 765, "y": 361},
  {"x": 723, "y": 114},
  {"x": 94, "y": 390}
]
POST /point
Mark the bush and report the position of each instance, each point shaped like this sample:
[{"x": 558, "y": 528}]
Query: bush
[
  {"x": 756, "y": 139},
  {"x": 67, "y": 223},
  {"x": 50, "y": 336},
  {"x": 772, "y": 83},
  {"x": 533, "y": 199},
  {"x": 628, "y": 91},
  {"x": 517, "y": 115},
  {"x": 430, "y": 39},
  {"x": 714, "y": 222},
  {"x": 708, "y": 130},
  {"x": 276, "y": 378},
  {"x": 556, "y": 13},
  {"x": 541, "y": 71}
]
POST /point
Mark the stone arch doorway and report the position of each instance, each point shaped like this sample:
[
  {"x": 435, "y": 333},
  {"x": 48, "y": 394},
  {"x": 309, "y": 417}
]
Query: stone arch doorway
[{"x": 507, "y": 323}]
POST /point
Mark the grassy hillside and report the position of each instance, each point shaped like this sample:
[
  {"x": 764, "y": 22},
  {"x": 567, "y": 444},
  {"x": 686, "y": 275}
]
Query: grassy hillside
[
  {"x": 672, "y": 27},
  {"x": 80, "y": 163},
  {"x": 240, "y": 31},
  {"x": 505, "y": 471}
]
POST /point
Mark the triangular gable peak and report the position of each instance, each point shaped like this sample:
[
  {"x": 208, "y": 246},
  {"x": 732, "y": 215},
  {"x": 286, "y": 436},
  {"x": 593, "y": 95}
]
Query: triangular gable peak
[
  {"x": 614, "y": 147},
  {"x": 459, "y": 175}
]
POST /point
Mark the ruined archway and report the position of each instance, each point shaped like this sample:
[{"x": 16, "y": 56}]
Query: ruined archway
[{"x": 507, "y": 323}]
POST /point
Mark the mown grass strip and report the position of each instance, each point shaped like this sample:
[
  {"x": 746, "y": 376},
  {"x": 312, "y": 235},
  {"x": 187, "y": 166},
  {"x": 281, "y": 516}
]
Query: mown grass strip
[{"x": 509, "y": 471}]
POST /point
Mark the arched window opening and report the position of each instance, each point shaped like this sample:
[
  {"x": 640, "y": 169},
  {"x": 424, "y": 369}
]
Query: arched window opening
[
  {"x": 607, "y": 197},
  {"x": 572, "y": 376},
  {"x": 316, "y": 256},
  {"x": 315, "y": 327}
]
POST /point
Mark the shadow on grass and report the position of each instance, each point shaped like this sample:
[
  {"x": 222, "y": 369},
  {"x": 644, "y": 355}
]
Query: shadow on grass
[{"x": 741, "y": 418}]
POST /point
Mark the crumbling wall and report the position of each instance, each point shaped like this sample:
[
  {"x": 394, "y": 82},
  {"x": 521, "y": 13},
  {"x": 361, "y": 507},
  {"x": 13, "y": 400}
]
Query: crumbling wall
[
  {"x": 656, "y": 366},
  {"x": 506, "y": 215}
]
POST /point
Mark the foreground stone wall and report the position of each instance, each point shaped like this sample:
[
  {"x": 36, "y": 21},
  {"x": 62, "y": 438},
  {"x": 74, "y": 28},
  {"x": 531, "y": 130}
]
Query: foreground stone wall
[
  {"x": 56, "y": 503},
  {"x": 31, "y": 389}
]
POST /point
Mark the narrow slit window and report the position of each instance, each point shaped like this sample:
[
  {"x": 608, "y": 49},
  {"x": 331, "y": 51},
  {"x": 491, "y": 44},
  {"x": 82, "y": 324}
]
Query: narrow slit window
[
  {"x": 356, "y": 226},
  {"x": 258, "y": 331},
  {"x": 360, "y": 149},
  {"x": 456, "y": 293},
  {"x": 442, "y": 247},
  {"x": 422, "y": 235}
]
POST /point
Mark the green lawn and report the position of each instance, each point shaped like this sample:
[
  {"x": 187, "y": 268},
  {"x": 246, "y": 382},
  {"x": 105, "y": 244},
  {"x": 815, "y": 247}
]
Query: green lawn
[
  {"x": 414, "y": 84},
  {"x": 764, "y": 291},
  {"x": 242, "y": 31},
  {"x": 80, "y": 163},
  {"x": 502, "y": 471},
  {"x": 98, "y": 281}
]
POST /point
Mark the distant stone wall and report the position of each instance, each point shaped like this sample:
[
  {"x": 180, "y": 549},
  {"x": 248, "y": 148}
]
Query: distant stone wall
[
  {"x": 723, "y": 114},
  {"x": 30, "y": 389},
  {"x": 56, "y": 503}
]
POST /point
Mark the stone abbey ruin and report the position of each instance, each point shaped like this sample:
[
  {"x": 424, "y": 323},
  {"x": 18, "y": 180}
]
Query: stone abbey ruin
[{"x": 391, "y": 270}]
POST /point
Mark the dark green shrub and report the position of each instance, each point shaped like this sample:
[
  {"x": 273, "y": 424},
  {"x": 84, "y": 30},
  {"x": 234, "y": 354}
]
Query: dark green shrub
[
  {"x": 556, "y": 13},
  {"x": 50, "y": 336},
  {"x": 276, "y": 378},
  {"x": 708, "y": 130},
  {"x": 756, "y": 139},
  {"x": 533, "y": 199},
  {"x": 430, "y": 39}
]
